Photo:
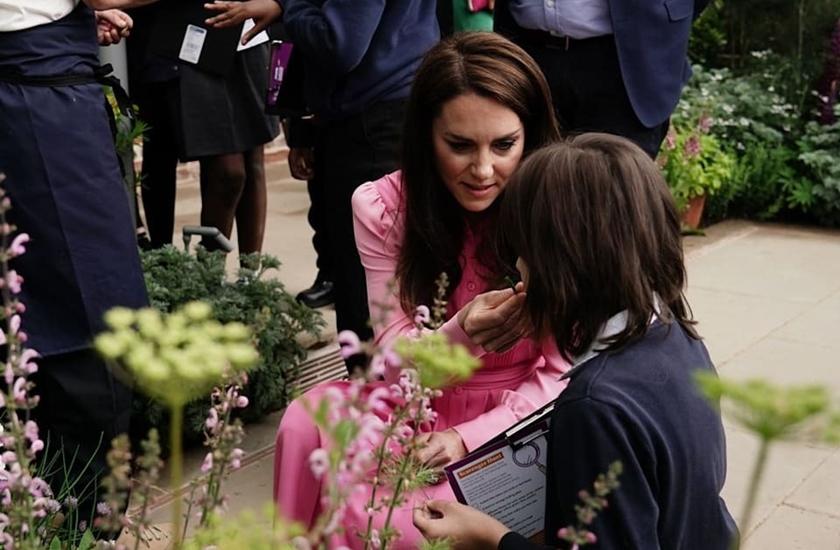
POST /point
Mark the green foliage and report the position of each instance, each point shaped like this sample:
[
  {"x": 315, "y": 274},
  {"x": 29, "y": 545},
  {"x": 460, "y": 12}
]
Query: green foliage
[
  {"x": 179, "y": 356},
  {"x": 438, "y": 362},
  {"x": 174, "y": 278},
  {"x": 769, "y": 411},
  {"x": 742, "y": 109},
  {"x": 248, "y": 530},
  {"x": 819, "y": 152},
  {"x": 708, "y": 35}
]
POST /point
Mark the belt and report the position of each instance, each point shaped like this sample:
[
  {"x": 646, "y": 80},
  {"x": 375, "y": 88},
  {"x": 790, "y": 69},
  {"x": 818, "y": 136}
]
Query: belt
[
  {"x": 100, "y": 75},
  {"x": 553, "y": 41}
]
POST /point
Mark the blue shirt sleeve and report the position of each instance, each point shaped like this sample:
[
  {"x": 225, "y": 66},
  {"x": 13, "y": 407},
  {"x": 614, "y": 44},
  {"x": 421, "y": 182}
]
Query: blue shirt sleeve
[{"x": 337, "y": 34}]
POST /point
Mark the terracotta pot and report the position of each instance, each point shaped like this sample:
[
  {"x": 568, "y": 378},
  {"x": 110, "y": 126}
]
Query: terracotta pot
[{"x": 693, "y": 212}]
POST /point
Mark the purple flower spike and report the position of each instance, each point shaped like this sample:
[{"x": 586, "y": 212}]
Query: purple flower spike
[{"x": 350, "y": 343}]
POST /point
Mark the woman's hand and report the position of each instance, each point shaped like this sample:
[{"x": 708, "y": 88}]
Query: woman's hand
[
  {"x": 441, "y": 448},
  {"x": 463, "y": 526},
  {"x": 263, "y": 12},
  {"x": 112, "y": 26},
  {"x": 496, "y": 320}
]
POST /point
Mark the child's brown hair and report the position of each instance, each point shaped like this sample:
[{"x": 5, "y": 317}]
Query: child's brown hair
[{"x": 595, "y": 223}]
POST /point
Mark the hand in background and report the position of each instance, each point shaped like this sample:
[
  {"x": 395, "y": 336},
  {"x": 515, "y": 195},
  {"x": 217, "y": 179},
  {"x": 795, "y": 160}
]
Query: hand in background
[
  {"x": 112, "y": 26},
  {"x": 463, "y": 526},
  {"x": 302, "y": 163},
  {"x": 496, "y": 320},
  {"x": 263, "y": 12}
]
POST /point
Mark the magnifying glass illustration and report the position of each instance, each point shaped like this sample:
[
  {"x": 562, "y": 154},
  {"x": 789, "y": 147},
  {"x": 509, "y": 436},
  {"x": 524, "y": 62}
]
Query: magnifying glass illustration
[{"x": 527, "y": 456}]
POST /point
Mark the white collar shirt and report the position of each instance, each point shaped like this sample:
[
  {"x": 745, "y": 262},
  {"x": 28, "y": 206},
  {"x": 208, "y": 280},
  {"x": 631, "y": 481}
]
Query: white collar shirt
[{"x": 16, "y": 15}]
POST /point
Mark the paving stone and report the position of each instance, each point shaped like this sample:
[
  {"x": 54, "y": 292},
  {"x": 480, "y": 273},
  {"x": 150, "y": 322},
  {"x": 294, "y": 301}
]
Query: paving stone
[
  {"x": 731, "y": 323},
  {"x": 788, "y": 466},
  {"x": 818, "y": 326},
  {"x": 821, "y": 490},
  {"x": 790, "y": 528},
  {"x": 773, "y": 262},
  {"x": 786, "y": 362}
]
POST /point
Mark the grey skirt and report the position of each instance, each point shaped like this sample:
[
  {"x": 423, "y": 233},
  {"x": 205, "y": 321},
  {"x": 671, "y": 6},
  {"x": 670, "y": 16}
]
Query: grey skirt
[{"x": 222, "y": 115}]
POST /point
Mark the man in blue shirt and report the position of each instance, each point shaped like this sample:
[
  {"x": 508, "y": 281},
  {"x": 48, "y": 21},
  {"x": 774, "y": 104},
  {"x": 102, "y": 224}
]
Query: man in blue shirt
[
  {"x": 360, "y": 59},
  {"x": 613, "y": 66}
]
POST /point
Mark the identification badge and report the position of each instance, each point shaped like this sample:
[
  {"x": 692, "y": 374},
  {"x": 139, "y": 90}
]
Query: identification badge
[{"x": 193, "y": 43}]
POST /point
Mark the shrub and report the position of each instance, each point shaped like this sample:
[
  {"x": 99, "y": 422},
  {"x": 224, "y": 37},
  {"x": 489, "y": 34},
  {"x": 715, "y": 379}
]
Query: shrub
[
  {"x": 819, "y": 153},
  {"x": 174, "y": 278}
]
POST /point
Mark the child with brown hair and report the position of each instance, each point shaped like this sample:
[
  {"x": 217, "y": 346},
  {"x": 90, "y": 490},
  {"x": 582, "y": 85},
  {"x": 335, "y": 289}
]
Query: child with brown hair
[{"x": 600, "y": 253}]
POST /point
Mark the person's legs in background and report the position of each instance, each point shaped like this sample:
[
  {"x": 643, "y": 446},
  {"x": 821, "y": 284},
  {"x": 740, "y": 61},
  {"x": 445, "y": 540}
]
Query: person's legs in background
[
  {"x": 359, "y": 149},
  {"x": 320, "y": 293},
  {"x": 222, "y": 182},
  {"x": 251, "y": 209},
  {"x": 160, "y": 162}
]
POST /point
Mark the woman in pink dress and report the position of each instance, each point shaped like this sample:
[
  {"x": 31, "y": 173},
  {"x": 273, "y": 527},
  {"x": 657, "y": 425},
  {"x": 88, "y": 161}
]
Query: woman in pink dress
[{"x": 478, "y": 105}]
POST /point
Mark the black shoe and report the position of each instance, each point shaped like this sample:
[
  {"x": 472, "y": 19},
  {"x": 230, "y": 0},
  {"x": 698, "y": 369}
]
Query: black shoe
[{"x": 320, "y": 294}]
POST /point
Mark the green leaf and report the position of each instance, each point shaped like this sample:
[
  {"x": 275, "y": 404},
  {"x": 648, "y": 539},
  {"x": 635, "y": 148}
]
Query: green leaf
[
  {"x": 55, "y": 544},
  {"x": 88, "y": 541}
]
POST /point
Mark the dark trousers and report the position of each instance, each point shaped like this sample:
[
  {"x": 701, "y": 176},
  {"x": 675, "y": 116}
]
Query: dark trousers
[
  {"x": 588, "y": 90},
  {"x": 82, "y": 408},
  {"x": 160, "y": 159},
  {"x": 352, "y": 151},
  {"x": 318, "y": 219}
]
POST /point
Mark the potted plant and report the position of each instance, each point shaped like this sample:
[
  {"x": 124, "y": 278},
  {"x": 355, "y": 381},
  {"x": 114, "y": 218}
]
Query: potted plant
[{"x": 694, "y": 165}]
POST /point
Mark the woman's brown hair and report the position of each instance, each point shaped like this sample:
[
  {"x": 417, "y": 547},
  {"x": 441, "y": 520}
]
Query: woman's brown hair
[
  {"x": 489, "y": 66},
  {"x": 598, "y": 230}
]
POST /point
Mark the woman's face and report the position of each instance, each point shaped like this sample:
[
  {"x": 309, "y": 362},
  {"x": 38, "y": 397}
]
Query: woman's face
[{"x": 477, "y": 142}]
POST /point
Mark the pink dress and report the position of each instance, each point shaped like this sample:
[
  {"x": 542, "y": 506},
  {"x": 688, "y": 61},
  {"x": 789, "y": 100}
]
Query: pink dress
[{"x": 507, "y": 387}]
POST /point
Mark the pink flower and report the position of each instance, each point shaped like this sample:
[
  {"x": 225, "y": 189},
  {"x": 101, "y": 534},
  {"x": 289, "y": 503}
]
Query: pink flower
[
  {"x": 377, "y": 367},
  {"x": 319, "y": 462},
  {"x": 17, "y": 247},
  {"x": 377, "y": 400},
  {"x": 30, "y": 430},
  {"x": 236, "y": 458},
  {"x": 704, "y": 124},
  {"x": 692, "y": 147},
  {"x": 207, "y": 465},
  {"x": 19, "y": 390},
  {"x": 241, "y": 401},
  {"x": 591, "y": 538},
  {"x": 422, "y": 316},
  {"x": 212, "y": 419},
  {"x": 103, "y": 509},
  {"x": 671, "y": 140},
  {"x": 14, "y": 281},
  {"x": 375, "y": 541},
  {"x": 26, "y": 361},
  {"x": 350, "y": 343}
]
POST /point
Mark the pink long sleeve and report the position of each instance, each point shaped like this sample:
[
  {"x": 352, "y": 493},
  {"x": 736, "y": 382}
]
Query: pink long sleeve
[
  {"x": 379, "y": 232},
  {"x": 540, "y": 388}
]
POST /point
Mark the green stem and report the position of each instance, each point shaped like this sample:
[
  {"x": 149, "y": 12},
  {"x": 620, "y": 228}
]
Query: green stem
[
  {"x": 382, "y": 452},
  {"x": 752, "y": 490},
  {"x": 176, "y": 425}
]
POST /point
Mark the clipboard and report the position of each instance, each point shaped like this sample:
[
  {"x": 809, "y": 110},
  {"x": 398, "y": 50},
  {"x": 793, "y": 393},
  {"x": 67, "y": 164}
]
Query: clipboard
[
  {"x": 506, "y": 477},
  {"x": 169, "y": 35}
]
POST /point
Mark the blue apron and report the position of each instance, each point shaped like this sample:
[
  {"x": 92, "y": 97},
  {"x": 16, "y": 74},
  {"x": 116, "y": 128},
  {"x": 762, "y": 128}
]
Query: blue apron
[{"x": 63, "y": 177}]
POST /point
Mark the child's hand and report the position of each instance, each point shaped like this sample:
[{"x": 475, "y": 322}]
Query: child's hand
[
  {"x": 463, "y": 526},
  {"x": 263, "y": 12},
  {"x": 496, "y": 320}
]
